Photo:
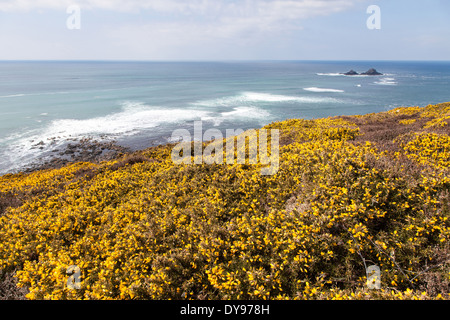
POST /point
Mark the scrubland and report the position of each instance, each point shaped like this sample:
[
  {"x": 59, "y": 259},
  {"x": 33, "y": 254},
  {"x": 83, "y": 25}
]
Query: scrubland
[{"x": 350, "y": 192}]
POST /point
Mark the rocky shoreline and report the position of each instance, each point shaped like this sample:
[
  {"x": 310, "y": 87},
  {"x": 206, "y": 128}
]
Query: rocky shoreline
[{"x": 78, "y": 150}]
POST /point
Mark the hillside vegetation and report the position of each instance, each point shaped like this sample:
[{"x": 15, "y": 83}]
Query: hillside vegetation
[{"x": 350, "y": 192}]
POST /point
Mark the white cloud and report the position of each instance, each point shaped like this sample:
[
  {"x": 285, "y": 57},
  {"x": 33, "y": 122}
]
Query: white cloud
[
  {"x": 286, "y": 9},
  {"x": 211, "y": 19},
  {"x": 224, "y": 17},
  {"x": 195, "y": 28}
]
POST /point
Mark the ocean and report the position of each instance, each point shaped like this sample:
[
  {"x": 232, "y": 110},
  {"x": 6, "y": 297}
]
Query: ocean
[{"x": 139, "y": 104}]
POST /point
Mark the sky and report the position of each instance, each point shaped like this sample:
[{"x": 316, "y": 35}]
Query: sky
[{"x": 199, "y": 30}]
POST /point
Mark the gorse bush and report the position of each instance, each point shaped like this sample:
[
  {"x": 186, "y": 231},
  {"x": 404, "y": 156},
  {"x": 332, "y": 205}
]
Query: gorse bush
[{"x": 141, "y": 227}]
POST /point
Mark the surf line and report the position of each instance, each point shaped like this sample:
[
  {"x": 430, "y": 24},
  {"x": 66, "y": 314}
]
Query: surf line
[{"x": 235, "y": 154}]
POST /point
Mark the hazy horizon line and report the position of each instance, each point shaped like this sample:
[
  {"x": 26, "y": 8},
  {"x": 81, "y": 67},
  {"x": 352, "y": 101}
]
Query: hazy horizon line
[{"x": 218, "y": 60}]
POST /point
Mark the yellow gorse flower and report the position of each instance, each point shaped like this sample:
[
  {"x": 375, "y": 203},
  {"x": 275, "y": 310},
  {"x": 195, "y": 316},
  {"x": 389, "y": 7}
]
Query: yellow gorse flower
[{"x": 150, "y": 229}]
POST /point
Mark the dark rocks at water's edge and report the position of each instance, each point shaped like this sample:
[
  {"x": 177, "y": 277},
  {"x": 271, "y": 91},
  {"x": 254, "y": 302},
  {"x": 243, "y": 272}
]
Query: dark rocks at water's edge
[
  {"x": 370, "y": 72},
  {"x": 351, "y": 73},
  {"x": 80, "y": 150}
]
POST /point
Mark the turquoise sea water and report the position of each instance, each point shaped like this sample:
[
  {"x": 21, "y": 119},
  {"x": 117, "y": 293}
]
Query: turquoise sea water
[{"x": 141, "y": 103}]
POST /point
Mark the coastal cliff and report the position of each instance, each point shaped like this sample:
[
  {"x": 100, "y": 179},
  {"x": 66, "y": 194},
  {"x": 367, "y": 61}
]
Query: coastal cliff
[{"x": 350, "y": 192}]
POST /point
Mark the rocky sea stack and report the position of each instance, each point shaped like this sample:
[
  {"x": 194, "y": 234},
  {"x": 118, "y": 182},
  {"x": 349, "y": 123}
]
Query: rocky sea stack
[
  {"x": 370, "y": 72},
  {"x": 351, "y": 73}
]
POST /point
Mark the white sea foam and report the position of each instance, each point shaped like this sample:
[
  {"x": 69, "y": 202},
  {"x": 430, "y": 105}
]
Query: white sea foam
[
  {"x": 343, "y": 75},
  {"x": 13, "y": 95},
  {"x": 252, "y": 98},
  {"x": 319, "y": 90},
  {"x": 238, "y": 113},
  {"x": 246, "y": 112},
  {"x": 330, "y": 74},
  {"x": 24, "y": 148},
  {"x": 387, "y": 82},
  {"x": 133, "y": 117},
  {"x": 267, "y": 97},
  {"x": 34, "y": 94}
]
